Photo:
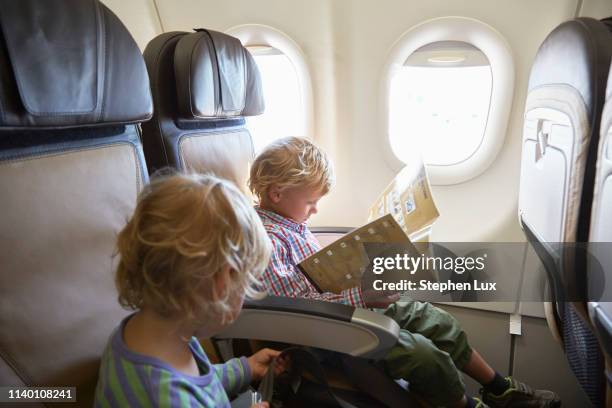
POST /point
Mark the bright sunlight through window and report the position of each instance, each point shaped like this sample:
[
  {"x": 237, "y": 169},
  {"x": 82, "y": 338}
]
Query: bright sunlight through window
[
  {"x": 284, "y": 113},
  {"x": 439, "y": 109}
]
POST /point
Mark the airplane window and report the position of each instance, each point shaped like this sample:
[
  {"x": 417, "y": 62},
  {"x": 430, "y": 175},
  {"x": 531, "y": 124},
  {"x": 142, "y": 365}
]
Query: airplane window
[
  {"x": 448, "y": 86},
  {"x": 284, "y": 114},
  {"x": 440, "y": 97}
]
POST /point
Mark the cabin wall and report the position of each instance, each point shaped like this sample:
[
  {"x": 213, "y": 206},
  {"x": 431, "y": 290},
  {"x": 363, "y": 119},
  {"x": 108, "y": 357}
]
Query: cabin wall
[
  {"x": 346, "y": 44},
  {"x": 595, "y": 8},
  {"x": 139, "y": 16}
]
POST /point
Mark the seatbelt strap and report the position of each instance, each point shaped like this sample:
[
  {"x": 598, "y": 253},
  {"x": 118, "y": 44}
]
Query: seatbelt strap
[{"x": 302, "y": 360}]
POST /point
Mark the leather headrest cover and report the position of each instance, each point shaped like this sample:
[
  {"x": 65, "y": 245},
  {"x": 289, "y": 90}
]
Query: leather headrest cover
[
  {"x": 576, "y": 53},
  {"x": 216, "y": 77},
  {"x": 66, "y": 63}
]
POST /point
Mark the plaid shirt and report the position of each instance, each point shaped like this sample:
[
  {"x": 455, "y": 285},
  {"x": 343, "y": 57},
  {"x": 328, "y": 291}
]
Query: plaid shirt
[{"x": 292, "y": 243}]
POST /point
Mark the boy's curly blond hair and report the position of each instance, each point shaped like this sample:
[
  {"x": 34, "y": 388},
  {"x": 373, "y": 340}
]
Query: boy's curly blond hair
[
  {"x": 290, "y": 162},
  {"x": 184, "y": 231}
]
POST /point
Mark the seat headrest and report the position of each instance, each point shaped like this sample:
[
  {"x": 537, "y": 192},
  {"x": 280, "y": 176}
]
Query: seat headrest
[
  {"x": 68, "y": 63},
  {"x": 576, "y": 53},
  {"x": 216, "y": 77}
]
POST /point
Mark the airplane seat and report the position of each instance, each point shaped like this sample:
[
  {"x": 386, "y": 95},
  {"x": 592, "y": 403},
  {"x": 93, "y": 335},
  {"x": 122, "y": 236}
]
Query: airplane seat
[
  {"x": 204, "y": 84},
  {"x": 600, "y": 290},
  {"x": 560, "y": 140},
  {"x": 73, "y": 87},
  {"x": 201, "y": 102}
]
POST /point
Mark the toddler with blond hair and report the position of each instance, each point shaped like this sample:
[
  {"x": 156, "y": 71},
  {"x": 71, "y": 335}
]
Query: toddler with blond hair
[
  {"x": 192, "y": 250},
  {"x": 289, "y": 177}
]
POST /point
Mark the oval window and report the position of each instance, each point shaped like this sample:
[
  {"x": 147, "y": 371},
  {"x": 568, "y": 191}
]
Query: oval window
[
  {"x": 439, "y": 103},
  {"x": 447, "y": 92}
]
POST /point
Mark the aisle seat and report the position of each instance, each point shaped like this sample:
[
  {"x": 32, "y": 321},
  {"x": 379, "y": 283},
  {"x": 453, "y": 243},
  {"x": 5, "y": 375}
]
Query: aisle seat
[{"x": 73, "y": 88}]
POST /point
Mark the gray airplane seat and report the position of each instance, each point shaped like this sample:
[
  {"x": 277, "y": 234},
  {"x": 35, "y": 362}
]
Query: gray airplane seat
[
  {"x": 73, "y": 86},
  {"x": 204, "y": 85},
  {"x": 600, "y": 291},
  {"x": 560, "y": 143}
]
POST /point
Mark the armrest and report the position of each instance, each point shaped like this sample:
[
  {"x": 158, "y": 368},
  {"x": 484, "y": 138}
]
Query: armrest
[
  {"x": 331, "y": 230},
  {"x": 315, "y": 323},
  {"x": 327, "y": 235}
]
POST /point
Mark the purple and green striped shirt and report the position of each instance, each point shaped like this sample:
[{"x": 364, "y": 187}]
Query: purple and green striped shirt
[{"x": 129, "y": 379}]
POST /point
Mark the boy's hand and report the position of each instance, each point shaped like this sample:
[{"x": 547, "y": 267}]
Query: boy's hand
[
  {"x": 261, "y": 405},
  {"x": 379, "y": 299},
  {"x": 260, "y": 362}
]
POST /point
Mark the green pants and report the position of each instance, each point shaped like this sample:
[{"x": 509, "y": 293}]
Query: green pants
[{"x": 430, "y": 351}]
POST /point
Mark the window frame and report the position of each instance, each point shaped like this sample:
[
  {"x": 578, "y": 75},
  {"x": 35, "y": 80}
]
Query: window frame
[
  {"x": 497, "y": 51},
  {"x": 263, "y": 35}
]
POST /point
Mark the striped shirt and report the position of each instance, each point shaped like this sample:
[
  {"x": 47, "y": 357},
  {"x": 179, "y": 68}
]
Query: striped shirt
[
  {"x": 129, "y": 379},
  {"x": 291, "y": 244}
]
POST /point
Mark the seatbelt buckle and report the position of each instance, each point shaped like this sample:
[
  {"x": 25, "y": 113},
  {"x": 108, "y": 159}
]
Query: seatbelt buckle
[{"x": 256, "y": 397}]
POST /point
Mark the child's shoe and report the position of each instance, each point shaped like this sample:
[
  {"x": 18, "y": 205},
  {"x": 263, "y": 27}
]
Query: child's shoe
[{"x": 520, "y": 395}]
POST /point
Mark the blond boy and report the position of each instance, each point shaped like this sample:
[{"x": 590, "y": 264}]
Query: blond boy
[
  {"x": 192, "y": 250},
  {"x": 289, "y": 178}
]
